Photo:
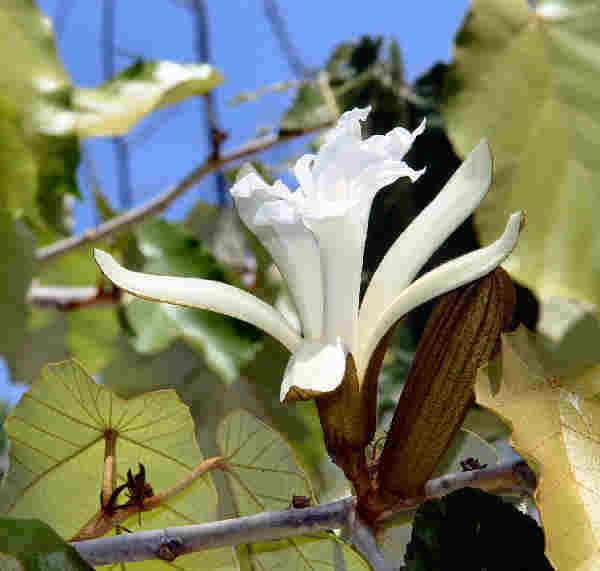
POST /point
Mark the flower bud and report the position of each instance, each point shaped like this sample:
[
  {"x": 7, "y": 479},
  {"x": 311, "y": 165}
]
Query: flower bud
[{"x": 461, "y": 335}]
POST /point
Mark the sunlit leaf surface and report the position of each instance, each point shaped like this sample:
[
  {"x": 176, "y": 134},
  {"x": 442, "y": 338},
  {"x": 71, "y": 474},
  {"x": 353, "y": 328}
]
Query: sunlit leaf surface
[
  {"x": 263, "y": 475},
  {"x": 58, "y": 432},
  {"x": 556, "y": 427},
  {"x": 113, "y": 108},
  {"x": 528, "y": 79}
]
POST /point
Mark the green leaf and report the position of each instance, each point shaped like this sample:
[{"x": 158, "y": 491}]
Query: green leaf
[
  {"x": 462, "y": 530},
  {"x": 322, "y": 552},
  {"x": 309, "y": 109},
  {"x": 37, "y": 170},
  {"x": 225, "y": 343},
  {"x": 44, "y": 341},
  {"x": 262, "y": 470},
  {"x": 264, "y": 475},
  {"x": 16, "y": 272},
  {"x": 115, "y": 106},
  {"x": 58, "y": 434},
  {"x": 31, "y": 545},
  {"x": 527, "y": 78},
  {"x": 92, "y": 336}
]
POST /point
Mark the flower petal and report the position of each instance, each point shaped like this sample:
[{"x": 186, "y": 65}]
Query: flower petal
[
  {"x": 314, "y": 368},
  {"x": 204, "y": 294},
  {"x": 271, "y": 214},
  {"x": 341, "y": 243},
  {"x": 442, "y": 279},
  {"x": 455, "y": 202}
]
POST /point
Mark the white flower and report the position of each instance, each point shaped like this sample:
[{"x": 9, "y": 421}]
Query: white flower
[{"x": 316, "y": 236}]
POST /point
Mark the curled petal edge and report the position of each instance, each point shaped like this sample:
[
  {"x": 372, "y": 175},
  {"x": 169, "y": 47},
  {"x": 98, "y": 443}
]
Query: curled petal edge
[
  {"x": 204, "y": 294},
  {"x": 441, "y": 280}
]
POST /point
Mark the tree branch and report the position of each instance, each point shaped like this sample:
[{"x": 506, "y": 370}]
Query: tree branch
[
  {"x": 66, "y": 298},
  {"x": 265, "y": 526},
  {"x": 160, "y": 202},
  {"x": 171, "y": 542}
]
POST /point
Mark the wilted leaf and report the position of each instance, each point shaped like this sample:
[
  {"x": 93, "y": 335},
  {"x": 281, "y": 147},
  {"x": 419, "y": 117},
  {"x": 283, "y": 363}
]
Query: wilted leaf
[
  {"x": 225, "y": 343},
  {"x": 58, "y": 433},
  {"x": 115, "y": 106},
  {"x": 263, "y": 475},
  {"x": 556, "y": 427},
  {"x": 528, "y": 79},
  {"x": 31, "y": 545}
]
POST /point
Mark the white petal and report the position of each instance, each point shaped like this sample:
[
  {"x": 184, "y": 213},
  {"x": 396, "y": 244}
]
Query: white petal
[
  {"x": 442, "y": 279},
  {"x": 394, "y": 144},
  {"x": 348, "y": 126},
  {"x": 426, "y": 233},
  {"x": 314, "y": 368},
  {"x": 204, "y": 294},
  {"x": 271, "y": 214},
  {"x": 341, "y": 243}
]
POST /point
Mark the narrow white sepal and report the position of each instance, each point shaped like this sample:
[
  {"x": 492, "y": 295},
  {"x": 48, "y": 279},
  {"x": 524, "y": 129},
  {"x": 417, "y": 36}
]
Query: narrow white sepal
[
  {"x": 203, "y": 294},
  {"x": 442, "y": 279},
  {"x": 426, "y": 233},
  {"x": 314, "y": 368}
]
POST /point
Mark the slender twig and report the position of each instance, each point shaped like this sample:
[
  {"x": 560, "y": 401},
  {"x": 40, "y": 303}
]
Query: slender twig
[
  {"x": 66, "y": 298},
  {"x": 340, "y": 514},
  {"x": 120, "y": 144},
  {"x": 110, "y": 516},
  {"x": 215, "y": 134},
  {"x": 159, "y": 203},
  {"x": 281, "y": 33}
]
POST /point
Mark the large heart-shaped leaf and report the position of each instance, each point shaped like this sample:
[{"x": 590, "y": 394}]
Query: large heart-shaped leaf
[
  {"x": 263, "y": 475},
  {"x": 527, "y": 75},
  {"x": 60, "y": 434}
]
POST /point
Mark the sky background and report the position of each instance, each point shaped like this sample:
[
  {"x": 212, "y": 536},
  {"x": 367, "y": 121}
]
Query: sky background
[{"x": 171, "y": 142}]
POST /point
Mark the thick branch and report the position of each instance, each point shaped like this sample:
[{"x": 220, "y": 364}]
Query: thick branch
[
  {"x": 160, "y": 202},
  {"x": 177, "y": 541},
  {"x": 172, "y": 542}
]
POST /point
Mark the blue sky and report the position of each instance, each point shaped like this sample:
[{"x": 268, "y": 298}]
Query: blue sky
[{"x": 245, "y": 50}]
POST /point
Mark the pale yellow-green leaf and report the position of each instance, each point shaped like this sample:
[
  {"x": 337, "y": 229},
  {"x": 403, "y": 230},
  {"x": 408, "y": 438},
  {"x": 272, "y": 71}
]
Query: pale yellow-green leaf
[
  {"x": 264, "y": 475},
  {"x": 556, "y": 428},
  {"x": 58, "y": 431},
  {"x": 93, "y": 335},
  {"x": 262, "y": 469},
  {"x": 115, "y": 106},
  {"x": 324, "y": 552},
  {"x": 529, "y": 80}
]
